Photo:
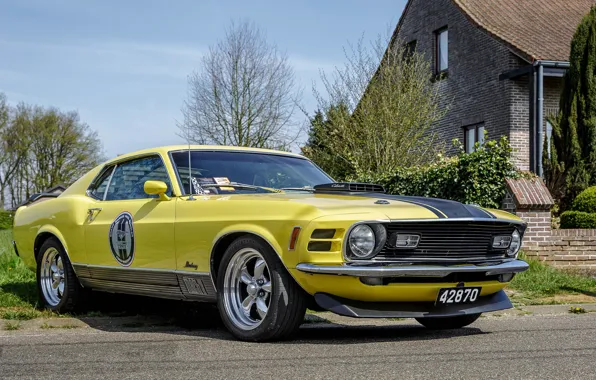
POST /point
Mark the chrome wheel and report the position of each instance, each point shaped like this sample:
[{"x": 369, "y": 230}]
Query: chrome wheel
[
  {"x": 247, "y": 289},
  {"x": 52, "y": 276}
]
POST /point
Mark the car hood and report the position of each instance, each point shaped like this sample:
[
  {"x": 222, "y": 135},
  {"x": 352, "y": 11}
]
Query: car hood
[{"x": 393, "y": 206}]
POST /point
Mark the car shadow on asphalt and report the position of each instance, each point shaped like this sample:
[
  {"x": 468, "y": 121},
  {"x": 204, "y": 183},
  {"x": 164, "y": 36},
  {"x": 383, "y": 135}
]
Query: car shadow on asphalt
[
  {"x": 117, "y": 312},
  {"x": 352, "y": 334}
]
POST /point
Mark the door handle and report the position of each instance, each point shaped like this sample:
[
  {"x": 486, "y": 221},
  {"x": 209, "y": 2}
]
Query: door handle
[{"x": 91, "y": 212}]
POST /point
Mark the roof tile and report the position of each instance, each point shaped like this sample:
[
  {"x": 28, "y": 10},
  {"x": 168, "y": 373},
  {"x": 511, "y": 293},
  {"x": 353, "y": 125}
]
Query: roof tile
[{"x": 539, "y": 29}]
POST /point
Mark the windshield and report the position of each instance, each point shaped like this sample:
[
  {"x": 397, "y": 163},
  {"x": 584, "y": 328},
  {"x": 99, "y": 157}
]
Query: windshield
[{"x": 254, "y": 169}]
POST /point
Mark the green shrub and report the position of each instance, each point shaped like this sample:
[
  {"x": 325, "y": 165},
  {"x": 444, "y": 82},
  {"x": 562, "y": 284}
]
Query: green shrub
[
  {"x": 5, "y": 220},
  {"x": 477, "y": 177},
  {"x": 585, "y": 201},
  {"x": 578, "y": 219}
]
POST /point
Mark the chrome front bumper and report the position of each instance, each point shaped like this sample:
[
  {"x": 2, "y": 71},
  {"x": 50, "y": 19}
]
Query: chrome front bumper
[{"x": 355, "y": 270}]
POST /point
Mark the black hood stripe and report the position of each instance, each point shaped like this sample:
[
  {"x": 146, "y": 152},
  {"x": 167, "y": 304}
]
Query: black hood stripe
[
  {"x": 442, "y": 208},
  {"x": 436, "y": 211}
]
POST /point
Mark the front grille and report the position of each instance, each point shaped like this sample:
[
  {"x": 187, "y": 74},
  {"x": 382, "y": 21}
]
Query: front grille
[{"x": 446, "y": 241}]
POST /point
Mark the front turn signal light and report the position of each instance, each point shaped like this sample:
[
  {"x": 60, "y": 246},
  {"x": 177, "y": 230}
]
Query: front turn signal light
[{"x": 294, "y": 238}]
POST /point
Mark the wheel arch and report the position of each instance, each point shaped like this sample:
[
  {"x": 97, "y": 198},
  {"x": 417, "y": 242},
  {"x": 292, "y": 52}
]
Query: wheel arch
[
  {"x": 224, "y": 239},
  {"x": 45, "y": 233}
]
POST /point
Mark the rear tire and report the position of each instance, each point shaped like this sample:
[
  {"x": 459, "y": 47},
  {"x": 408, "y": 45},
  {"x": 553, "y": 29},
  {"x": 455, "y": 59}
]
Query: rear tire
[
  {"x": 257, "y": 298},
  {"x": 447, "y": 323},
  {"x": 58, "y": 287}
]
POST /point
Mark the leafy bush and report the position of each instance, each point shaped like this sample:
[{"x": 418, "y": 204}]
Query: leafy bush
[
  {"x": 477, "y": 177},
  {"x": 583, "y": 211},
  {"x": 5, "y": 220},
  {"x": 585, "y": 201},
  {"x": 578, "y": 219}
]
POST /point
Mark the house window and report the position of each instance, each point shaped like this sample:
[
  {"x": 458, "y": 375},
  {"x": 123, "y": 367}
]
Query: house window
[
  {"x": 549, "y": 135},
  {"x": 441, "y": 51},
  {"x": 473, "y": 134}
]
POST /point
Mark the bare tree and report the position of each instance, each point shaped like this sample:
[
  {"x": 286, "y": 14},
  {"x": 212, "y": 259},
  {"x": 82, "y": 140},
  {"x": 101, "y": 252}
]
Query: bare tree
[
  {"x": 243, "y": 94},
  {"x": 391, "y": 104}
]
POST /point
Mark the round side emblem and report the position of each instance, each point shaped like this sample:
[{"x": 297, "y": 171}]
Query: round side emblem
[{"x": 122, "y": 239}]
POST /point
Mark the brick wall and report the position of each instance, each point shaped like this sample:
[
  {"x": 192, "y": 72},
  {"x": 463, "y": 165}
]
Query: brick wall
[
  {"x": 539, "y": 226},
  {"x": 472, "y": 92},
  {"x": 519, "y": 107},
  {"x": 529, "y": 199},
  {"x": 567, "y": 248}
]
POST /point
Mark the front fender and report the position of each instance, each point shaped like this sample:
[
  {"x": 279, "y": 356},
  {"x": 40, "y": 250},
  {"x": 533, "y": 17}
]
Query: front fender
[{"x": 257, "y": 230}]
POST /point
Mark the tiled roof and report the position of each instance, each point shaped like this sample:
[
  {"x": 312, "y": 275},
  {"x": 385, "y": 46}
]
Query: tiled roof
[
  {"x": 529, "y": 193},
  {"x": 536, "y": 29}
]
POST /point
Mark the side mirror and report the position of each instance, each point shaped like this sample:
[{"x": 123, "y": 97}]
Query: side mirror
[{"x": 157, "y": 188}]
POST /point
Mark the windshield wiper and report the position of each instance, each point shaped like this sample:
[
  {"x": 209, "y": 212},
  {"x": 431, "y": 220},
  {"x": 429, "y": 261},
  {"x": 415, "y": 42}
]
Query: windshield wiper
[
  {"x": 305, "y": 188},
  {"x": 236, "y": 185}
]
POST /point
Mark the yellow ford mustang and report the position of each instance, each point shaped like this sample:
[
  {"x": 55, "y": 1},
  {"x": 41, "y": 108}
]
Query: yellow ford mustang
[{"x": 265, "y": 234}]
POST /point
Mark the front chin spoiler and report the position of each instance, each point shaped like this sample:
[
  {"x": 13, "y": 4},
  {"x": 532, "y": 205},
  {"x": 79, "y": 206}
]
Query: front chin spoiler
[{"x": 360, "y": 309}]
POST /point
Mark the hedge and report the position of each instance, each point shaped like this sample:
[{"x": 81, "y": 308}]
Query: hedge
[
  {"x": 585, "y": 201},
  {"x": 578, "y": 219},
  {"x": 583, "y": 211},
  {"x": 477, "y": 177},
  {"x": 5, "y": 220}
]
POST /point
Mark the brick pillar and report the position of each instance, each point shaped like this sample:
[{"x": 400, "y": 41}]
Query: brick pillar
[{"x": 532, "y": 203}]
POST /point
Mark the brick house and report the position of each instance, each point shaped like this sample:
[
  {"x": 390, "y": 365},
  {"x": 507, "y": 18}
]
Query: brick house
[{"x": 499, "y": 65}]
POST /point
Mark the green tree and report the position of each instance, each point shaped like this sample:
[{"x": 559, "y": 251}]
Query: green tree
[
  {"x": 12, "y": 151},
  {"x": 391, "y": 104},
  {"x": 572, "y": 165},
  {"x": 41, "y": 148},
  {"x": 317, "y": 147}
]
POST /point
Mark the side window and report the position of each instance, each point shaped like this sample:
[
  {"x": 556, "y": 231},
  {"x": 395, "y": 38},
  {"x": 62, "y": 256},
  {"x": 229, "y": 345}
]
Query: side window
[
  {"x": 129, "y": 178},
  {"x": 98, "y": 188}
]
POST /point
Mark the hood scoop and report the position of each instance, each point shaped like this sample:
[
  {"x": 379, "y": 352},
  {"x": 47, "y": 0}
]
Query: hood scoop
[{"x": 348, "y": 188}]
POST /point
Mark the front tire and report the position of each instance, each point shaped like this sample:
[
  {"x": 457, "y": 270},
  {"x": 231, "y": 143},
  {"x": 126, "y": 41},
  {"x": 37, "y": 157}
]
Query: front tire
[
  {"x": 257, "y": 298},
  {"x": 58, "y": 287},
  {"x": 447, "y": 323}
]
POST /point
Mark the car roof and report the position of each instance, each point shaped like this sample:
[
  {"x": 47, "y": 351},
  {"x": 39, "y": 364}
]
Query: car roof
[{"x": 172, "y": 148}]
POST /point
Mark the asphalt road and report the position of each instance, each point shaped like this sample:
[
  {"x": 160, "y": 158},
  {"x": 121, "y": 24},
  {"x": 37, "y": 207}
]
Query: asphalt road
[{"x": 522, "y": 347}]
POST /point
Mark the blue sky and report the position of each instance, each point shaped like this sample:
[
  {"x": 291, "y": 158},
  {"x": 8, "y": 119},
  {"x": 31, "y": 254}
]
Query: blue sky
[{"x": 122, "y": 64}]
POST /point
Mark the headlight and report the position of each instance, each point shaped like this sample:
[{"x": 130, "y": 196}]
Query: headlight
[
  {"x": 515, "y": 244},
  {"x": 365, "y": 241},
  {"x": 362, "y": 241}
]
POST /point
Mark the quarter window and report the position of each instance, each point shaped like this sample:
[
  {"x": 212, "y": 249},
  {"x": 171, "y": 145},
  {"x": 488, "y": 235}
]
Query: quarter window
[
  {"x": 98, "y": 189},
  {"x": 473, "y": 134},
  {"x": 442, "y": 50},
  {"x": 128, "y": 181}
]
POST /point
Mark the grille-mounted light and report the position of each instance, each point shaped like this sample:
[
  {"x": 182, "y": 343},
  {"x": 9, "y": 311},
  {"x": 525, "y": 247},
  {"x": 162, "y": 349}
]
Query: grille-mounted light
[
  {"x": 502, "y": 242},
  {"x": 409, "y": 241}
]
